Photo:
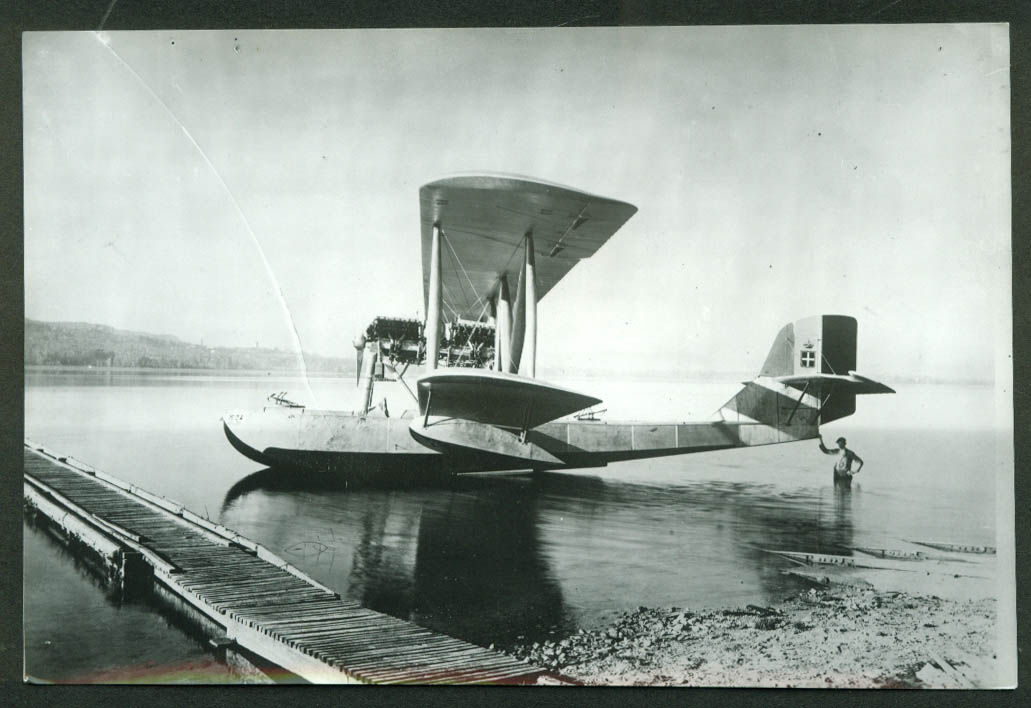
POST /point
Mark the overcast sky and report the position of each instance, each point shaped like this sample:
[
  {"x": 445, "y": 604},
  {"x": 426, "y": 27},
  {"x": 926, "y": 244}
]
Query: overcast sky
[{"x": 179, "y": 182}]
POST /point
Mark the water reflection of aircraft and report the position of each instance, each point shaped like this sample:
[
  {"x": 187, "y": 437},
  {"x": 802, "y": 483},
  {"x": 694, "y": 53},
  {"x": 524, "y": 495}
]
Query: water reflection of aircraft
[
  {"x": 463, "y": 558},
  {"x": 480, "y": 569},
  {"x": 479, "y": 404}
]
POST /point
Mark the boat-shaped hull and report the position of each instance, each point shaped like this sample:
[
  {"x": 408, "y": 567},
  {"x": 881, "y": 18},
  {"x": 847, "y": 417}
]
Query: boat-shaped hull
[{"x": 340, "y": 440}]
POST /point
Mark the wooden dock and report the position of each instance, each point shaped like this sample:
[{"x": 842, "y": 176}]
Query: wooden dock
[{"x": 265, "y": 605}]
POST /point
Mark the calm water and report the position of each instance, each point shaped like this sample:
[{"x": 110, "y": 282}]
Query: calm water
[{"x": 510, "y": 558}]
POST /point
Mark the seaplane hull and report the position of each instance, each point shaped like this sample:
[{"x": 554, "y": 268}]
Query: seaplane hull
[{"x": 344, "y": 441}]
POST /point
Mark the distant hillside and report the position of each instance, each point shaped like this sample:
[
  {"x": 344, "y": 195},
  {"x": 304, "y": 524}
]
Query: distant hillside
[{"x": 83, "y": 344}]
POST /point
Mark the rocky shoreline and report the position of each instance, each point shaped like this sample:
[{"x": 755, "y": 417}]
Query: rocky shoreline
[{"x": 841, "y": 637}]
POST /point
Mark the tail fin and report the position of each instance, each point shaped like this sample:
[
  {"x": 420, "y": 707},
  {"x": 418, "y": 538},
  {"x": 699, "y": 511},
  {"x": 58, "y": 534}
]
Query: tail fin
[
  {"x": 808, "y": 378},
  {"x": 825, "y": 344}
]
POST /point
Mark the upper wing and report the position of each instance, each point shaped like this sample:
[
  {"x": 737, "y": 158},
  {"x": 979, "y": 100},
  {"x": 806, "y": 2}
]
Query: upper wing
[{"x": 483, "y": 219}]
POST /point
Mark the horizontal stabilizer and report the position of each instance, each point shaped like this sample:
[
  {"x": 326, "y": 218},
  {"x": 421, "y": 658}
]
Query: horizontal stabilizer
[
  {"x": 853, "y": 382},
  {"x": 496, "y": 398}
]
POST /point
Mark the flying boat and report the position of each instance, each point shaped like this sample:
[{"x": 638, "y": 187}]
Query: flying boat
[{"x": 492, "y": 247}]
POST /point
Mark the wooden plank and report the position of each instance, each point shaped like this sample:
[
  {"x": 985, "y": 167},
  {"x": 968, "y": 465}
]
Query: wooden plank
[
  {"x": 228, "y": 604},
  {"x": 370, "y": 631},
  {"x": 193, "y": 574},
  {"x": 299, "y": 631},
  {"x": 342, "y": 650},
  {"x": 453, "y": 674},
  {"x": 257, "y": 605},
  {"x": 198, "y": 575},
  {"x": 220, "y": 595},
  {"x": 515, "y": 676},
  {"x": 194, "y": 567},
  {"x": 340, "y": 641},
  {"x": 286, "y": 612},
  {"x": 345, "y": 642},
  {"x": 437, "y": 674},
  {"x": 161, "y": 537},
  {"x": 414, "y": 662},
  {"x": 303, "y": 620},
  {"x": 232, "y": 561},
  {"x": 111, "y": 497},
  {"x": 151, "y": 529},
  {"x": 231, "y": 579},
  {"x": 171, "y": 548},
  {"x": 217, "y": 553},
  {"x": 153, "y": 517},
  {"x": 173, "y": 536},
  {"x": 518, "y": 673},
  {"x": 230, "y": 593},
  {"x": 360, "y": 657},
  {"x": 354, "y": 640},
  {"x": 238, "y": 562},
  {"x": 311, "y": 632},
  {"x": 299, "y": 606},
  {"x": 517, "y": 670},
  {"x": 254, "y": 584},
  {"x": 134, "y": 517},
  {"x": 86, "y": 492}
]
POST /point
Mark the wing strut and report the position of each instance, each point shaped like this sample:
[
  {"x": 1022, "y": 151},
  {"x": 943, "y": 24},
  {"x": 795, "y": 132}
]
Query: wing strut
[
  {"x": 502, "y": 354},
  {"x": 433, "y": 304},
  {"x": 530, "y": 290},
  {"x": 523, "y": 336},
  {"x": 797, "y": 403}
]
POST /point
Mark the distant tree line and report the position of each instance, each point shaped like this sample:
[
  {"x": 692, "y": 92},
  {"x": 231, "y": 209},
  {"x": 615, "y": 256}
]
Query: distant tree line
[{"x": 82, "y": 344}]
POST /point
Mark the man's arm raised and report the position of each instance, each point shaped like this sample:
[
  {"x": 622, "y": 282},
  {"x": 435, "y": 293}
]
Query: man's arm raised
[{"x": 825, "y": 450}]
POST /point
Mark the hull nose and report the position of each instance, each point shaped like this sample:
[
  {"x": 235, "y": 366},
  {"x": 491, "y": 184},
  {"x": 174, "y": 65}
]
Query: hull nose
[{"x": 239, "y": 445}]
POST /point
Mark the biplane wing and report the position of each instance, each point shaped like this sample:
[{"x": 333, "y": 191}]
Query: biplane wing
[{"x": 483, "y": 219}]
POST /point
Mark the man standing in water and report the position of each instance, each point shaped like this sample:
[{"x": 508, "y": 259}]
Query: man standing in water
[{"x": 843, "y": 467}]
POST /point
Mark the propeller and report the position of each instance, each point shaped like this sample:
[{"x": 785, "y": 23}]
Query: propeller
[{"x": 359, "y": 345}]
